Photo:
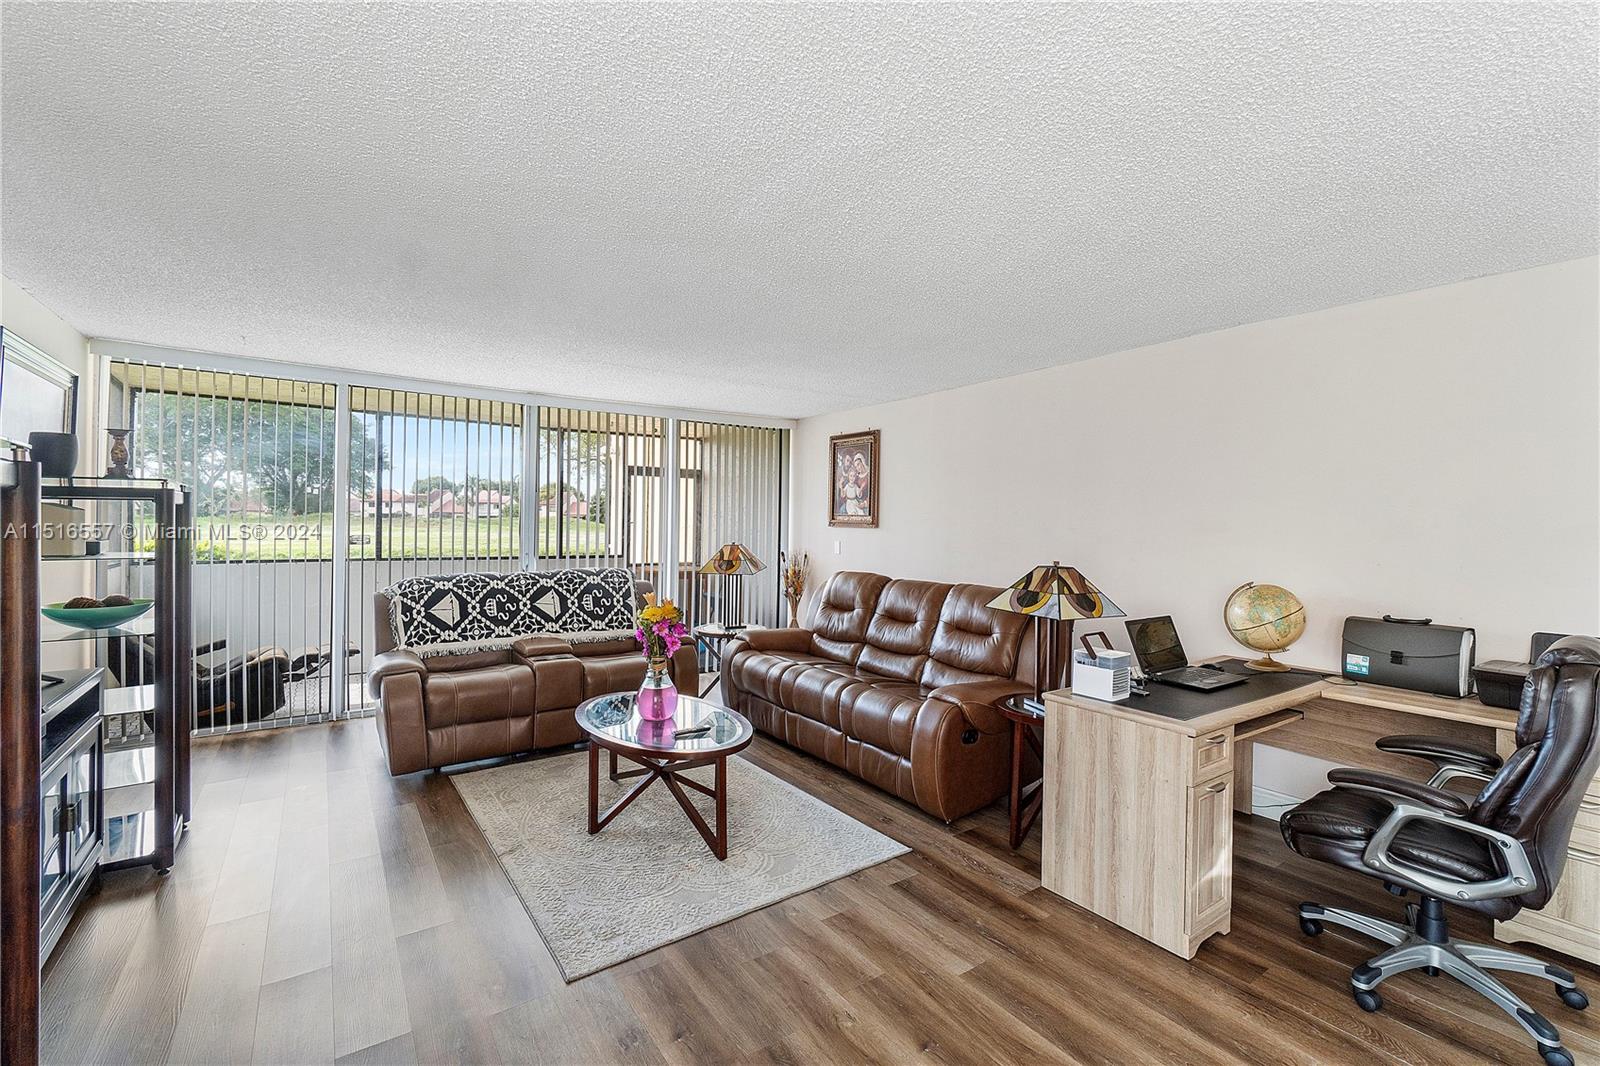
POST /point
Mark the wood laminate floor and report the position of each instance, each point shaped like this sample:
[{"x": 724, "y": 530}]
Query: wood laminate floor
[{"x": 322, "y": 911}]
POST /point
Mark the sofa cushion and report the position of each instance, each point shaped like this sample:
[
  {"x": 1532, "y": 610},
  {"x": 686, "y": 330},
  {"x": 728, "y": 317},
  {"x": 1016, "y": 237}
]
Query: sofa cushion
[
  {"x": 973, "y": 641},
  {"x": 612, "y": 673},
  {"x": 901, "y": 627},
  {"x": 585, "y": 649},
  {"x": 473, "y": 660},
  {"x": 815, "y": 691},
  {"x": 761, "y": 673},
  {"x": 843, "y": 613},
  {"x": 488, "y": 694},
  {"x": 881, "y": 714}
]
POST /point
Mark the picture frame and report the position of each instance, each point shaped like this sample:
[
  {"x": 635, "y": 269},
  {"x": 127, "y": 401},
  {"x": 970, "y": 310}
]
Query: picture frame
[{"x": 853, "y": 467}]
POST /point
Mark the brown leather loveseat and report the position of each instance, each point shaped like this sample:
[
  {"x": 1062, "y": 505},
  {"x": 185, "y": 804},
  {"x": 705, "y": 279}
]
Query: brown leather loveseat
[
  {"x": 454, "y": 708},
  {"x": 895, "y": 682}
]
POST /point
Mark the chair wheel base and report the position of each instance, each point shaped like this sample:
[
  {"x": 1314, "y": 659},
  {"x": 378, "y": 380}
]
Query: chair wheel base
[
  {"x": 1557, "y": 1056},
  {"x": 1310, "y": 927},
  {"x": 1575, "y": 998},
  {"x": 1367, "y": 999}
]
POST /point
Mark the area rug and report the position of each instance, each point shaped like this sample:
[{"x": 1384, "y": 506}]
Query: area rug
[{"x": 647, "y": 879}]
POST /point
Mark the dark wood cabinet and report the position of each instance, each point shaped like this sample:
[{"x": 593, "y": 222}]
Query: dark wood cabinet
[{"x": 71, "y": 799}]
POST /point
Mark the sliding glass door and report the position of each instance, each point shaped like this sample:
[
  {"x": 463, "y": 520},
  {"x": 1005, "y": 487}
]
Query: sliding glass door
[
  {"x": 732, "y": 490},
  {"x": 258, "y": 453},
  {"x": 314, "y": 496},
  {"x": 435, "y": 488}
]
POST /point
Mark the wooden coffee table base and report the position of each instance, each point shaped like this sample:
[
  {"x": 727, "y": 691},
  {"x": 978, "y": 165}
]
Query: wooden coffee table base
[{"x": 668, "y": 771}]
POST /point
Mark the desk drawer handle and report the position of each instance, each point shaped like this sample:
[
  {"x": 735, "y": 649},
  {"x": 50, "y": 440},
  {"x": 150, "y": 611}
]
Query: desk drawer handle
[
  {"x": 1592, "y": 856},
  {"x": 1223, "y": 739},
  {"x": 1589, "y": 805},
  {"x": 1221, "y": 786}
]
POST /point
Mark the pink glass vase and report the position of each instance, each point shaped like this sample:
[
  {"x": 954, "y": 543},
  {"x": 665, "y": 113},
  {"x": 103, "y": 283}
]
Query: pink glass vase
[{"x": 658, "y": 699}]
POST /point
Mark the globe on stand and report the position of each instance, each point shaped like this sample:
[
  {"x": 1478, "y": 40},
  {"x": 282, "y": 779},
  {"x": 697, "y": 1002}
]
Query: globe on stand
[{"x": 1264, "y": 618}]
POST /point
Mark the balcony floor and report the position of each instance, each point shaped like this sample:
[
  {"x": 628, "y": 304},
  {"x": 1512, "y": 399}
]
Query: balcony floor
[{"x": 322, "y": 910}]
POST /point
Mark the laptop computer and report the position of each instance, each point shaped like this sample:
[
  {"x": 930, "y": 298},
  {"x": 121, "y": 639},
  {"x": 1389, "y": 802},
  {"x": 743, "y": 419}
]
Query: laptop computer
[{"x": 1161, "y": 657}]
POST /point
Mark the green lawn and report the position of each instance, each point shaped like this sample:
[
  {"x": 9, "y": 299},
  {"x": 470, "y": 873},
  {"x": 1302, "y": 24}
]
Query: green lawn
[{"x": 310, "y": 537}]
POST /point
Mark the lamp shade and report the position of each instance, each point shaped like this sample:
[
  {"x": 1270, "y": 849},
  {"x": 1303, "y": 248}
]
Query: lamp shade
[
  {"x": 1056, "y": 591},
  {"x": 733, "y": 558}
]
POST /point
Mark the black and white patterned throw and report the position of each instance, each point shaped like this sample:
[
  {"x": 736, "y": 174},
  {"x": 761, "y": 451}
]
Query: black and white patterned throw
[{"x": 481, "y": 612}]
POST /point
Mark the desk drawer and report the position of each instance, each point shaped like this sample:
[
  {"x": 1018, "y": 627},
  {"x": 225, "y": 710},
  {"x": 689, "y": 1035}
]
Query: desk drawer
[
  {"x": 1586, "y": 828},
  {"x": 1209, "y": 857},
  {"x": 1577, "y": 898},
  {"x": 1213, "y": 754}
]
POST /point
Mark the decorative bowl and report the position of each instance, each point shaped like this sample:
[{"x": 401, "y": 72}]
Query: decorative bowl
[{"x": 95, "y": 617}]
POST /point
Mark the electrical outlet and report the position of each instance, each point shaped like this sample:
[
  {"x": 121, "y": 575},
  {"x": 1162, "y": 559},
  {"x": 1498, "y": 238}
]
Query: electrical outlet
[{"x": 838, "y": 546}]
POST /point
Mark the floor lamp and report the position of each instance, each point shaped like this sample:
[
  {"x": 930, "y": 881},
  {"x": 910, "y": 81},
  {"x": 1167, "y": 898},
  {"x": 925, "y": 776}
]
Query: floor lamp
[
  {"x": 1052, "y": 595},
  {"x": 730, "y": 565}
]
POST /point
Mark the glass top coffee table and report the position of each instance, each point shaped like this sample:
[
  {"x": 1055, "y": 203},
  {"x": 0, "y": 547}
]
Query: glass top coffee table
[{"x": 700, "y": 734}]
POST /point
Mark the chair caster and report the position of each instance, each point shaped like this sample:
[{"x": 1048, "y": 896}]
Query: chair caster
[
  {"x": 1367, "y": 999},
  {"x": 1310, "y": 927},
  {"x": 1574, "y": 998},
  {"x": 1557, "y": 1056}
]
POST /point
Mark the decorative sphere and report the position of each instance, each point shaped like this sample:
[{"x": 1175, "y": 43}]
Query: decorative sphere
[{"x": 1264, "y": 618}]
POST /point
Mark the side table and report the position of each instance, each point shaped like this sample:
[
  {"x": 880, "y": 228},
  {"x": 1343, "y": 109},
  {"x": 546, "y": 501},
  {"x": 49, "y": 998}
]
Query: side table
[
  {"x": 712, "y": 636},
  {"x": 1026, "y": 800}
]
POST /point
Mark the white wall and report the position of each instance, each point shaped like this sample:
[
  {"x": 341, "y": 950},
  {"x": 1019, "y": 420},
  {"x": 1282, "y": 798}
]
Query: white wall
[
  {"x": 1435, "y": 453},
  {"x": 45, "y": 330}
]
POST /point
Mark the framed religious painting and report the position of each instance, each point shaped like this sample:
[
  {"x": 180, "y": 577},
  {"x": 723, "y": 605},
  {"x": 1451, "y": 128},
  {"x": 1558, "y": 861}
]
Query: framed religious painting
[{"x": 853, "y": 479}]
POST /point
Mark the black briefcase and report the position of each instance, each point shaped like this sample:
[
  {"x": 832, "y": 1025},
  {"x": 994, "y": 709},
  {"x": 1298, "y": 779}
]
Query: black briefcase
[{"x": 1409, "y": 653}]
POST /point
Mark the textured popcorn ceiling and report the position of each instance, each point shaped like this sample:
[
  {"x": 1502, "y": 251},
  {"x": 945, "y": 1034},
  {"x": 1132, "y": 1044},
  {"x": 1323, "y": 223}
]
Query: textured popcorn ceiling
[{"x": 780, "y": 210}]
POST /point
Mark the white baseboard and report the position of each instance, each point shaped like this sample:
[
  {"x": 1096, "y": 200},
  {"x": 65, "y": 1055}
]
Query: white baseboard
[{"x": 1269, "y": 804}]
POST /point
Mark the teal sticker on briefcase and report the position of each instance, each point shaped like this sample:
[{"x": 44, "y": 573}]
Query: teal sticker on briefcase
[{"x": 1357, "y": 664}]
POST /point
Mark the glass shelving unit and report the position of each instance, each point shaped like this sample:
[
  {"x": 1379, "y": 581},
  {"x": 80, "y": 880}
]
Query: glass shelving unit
[{"x": 145, "y": 719}]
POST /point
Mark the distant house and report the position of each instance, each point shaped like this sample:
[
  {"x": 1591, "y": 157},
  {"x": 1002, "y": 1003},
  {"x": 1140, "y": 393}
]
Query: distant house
[
  {"x": 442, "y": 503},
  {"x": 252, "y": 504},
  {"x": 389, "y": 503},
  {"x": 490, "y": 504},
  {"x": 574, "y": 507}
]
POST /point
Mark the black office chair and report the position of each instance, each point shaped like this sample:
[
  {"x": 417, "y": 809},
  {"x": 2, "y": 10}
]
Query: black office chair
[{"x": 1495, "y": 854}]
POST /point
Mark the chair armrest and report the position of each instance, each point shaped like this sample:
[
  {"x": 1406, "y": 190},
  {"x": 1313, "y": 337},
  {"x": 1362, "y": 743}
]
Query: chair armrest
[
  {"x": 1518, "y": 878},
  {"x": 1442, "y": 751},
  {"x": 795, "y": 640},
  {"x": 541, "y": 647},
  {"x": 389, "y": 664},
  {"x": 978, "y": 699},
  {"x": 1399, "y": 788}
]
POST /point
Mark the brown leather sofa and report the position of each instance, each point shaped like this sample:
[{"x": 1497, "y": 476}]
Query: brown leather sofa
[
  {"x": 448, "y": 709},
  {"x": 895, "y": 682}
]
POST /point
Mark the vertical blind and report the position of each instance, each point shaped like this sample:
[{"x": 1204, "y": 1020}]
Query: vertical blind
[
  {"x": 435, "y": 488},
  {"x": 257, "y": 453},
  {"x": 599, "y": 491},
  {"x": 732, "y": 490}
]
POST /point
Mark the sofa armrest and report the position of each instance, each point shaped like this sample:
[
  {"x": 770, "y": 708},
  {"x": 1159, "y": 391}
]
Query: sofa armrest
[
  {"x": 541, "y": 647},
  {"x": 684, "y": 669},
  {"x": 390, "y": 664},
  {"x": 795, "y": 640},
  {"x": 977, "y": 700}
]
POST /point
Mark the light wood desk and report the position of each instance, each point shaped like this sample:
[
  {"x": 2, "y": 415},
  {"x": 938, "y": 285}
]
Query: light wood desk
[{"x": 1138, "y": 807}]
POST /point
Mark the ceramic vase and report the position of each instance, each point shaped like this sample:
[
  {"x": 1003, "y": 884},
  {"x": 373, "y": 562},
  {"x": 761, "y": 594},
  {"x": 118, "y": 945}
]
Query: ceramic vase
[
  {"x": 57, "y": 453},
  {"x": 658, "y": 699},
  {"x": 119, "y": 453}
]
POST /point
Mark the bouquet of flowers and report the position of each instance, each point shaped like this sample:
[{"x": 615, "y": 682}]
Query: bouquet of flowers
[{"x": 661, "y": 630}]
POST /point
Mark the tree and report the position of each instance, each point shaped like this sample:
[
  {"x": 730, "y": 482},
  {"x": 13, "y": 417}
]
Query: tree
[
  {"x": 236, "y": 453},
  {"x": 434, "y": 482}
]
